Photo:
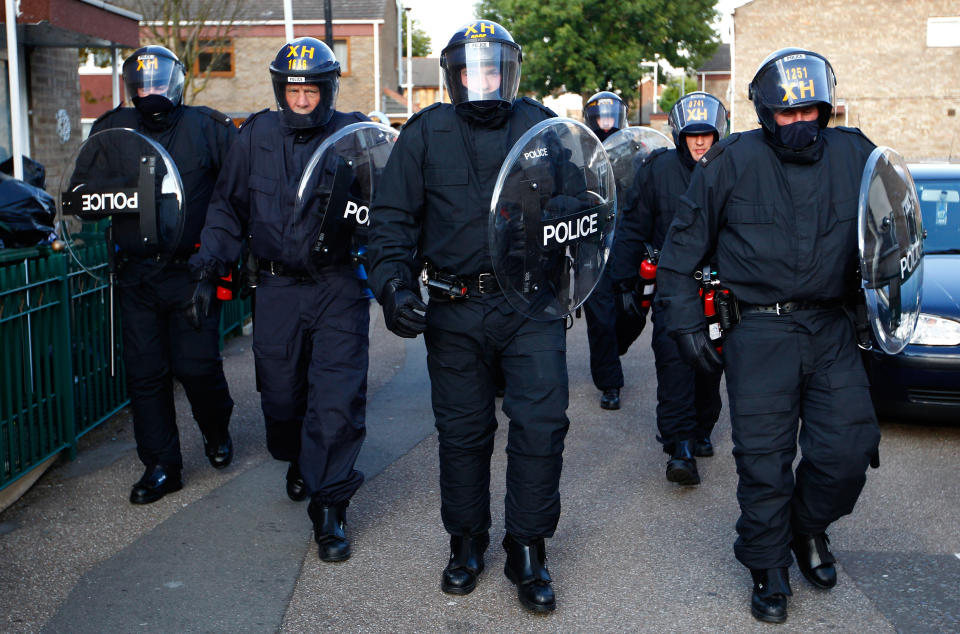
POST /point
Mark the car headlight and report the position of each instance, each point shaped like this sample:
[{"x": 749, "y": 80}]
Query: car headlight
[{"x": 936, "y": 331}]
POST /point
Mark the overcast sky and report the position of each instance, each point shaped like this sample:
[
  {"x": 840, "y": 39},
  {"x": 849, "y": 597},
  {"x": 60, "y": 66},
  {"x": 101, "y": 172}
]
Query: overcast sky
[{"x": 440, "y": 18}]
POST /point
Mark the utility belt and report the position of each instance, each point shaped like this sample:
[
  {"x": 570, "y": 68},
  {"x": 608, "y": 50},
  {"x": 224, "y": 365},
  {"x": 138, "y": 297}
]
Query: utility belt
[
  {"x": 279, "y": 269},
  {"x": 790, "y": 306},
  {"x": 451, "y": 287}
]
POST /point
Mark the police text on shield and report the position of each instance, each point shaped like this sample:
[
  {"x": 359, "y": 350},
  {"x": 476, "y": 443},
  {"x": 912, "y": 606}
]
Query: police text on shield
[{"x": 571, "y": 229}]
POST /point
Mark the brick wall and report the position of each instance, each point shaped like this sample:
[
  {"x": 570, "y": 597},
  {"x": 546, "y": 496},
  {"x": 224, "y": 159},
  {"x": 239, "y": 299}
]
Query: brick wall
[
  {"x": 54, "y": 85},
  {"x": 250, "y": 90},
  {"x": 900, "y": 92}
]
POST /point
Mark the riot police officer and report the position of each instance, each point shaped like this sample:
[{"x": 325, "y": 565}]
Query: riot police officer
[
  {"x": 159, "y": 340},
  {"x": 433, "y": 203},
  {"x": 311, "y": 346},
  {"x": 688, "y": 403},
  {"x": 605, "y": 114},
  {"x": 776, "y": 209}
]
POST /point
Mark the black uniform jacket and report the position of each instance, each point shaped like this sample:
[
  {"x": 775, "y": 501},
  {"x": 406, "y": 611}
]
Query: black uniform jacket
[
  {"x": 257, "y": 191},
  {"x": 433, "y": 201},
  {"x": 661, "y": 179},
  {"x": 778, "y": 225},
  {"x": 198, "y": 140}
]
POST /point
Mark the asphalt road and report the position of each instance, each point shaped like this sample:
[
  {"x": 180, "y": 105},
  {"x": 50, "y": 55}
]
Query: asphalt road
[{"x": 633, "y": 552}]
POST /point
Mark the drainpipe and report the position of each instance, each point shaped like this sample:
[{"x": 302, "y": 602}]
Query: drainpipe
[{"x": 13, "y": 69}]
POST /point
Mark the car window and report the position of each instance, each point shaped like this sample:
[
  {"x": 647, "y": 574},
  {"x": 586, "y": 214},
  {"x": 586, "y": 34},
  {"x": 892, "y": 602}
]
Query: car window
[{"x": 940, "y": 207}]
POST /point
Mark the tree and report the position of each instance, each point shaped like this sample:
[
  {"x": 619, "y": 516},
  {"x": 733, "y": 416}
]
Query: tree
[
  {"x": 419, "y": 40},
  {"x": 102, "y": 57},
  {"x": 198, "y": 31},
  {"x": 671, "y": 91},
  {"x": 584, "y": 46}
]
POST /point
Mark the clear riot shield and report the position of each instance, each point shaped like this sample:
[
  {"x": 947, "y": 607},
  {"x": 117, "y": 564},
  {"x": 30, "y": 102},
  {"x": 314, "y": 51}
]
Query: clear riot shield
[
  {"x": 122, "y": 188},
  {"x": 552, "y": 218},
  {"x": 891, "y": 249},
  {"x": 626, "y": 149},
  {"x": 332, "y": 212}
]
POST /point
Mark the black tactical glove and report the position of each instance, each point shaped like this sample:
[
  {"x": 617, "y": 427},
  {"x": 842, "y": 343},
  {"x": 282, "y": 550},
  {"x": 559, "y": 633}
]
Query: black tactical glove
[
  {"x": 628, "y": 299},
  {"x": 631, "y": 316},
  {"x": 697, "y": 350},
  {"x": 204, "y": 296},
  {"x": 403, "y": 311}
]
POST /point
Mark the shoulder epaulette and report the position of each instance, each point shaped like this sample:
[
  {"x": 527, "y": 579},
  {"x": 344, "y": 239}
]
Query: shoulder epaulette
[
  {"x": 216, "y": 115},
  {"x": 254, "y": 116},
  {"x": 416, "y": 115},
  {"x": 717, "y": 149},
  {"x": 107, "y": 114},
  {"x": 856, "y": 131},
  {"x": 650, "y": 158},
  {"x": 534, "y": 102}
]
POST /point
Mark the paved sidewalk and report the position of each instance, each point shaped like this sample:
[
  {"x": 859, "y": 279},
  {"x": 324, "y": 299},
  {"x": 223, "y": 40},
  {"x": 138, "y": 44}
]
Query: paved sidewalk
[{"x": 633, "y": 552}]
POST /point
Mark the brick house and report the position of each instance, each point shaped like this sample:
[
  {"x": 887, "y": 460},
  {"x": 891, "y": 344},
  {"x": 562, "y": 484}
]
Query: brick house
[
  {"x": 714, "y": 75},
  {"x": 49, "y": 33},
  {"x": 897, "y": 65},
  {"x": 365, "y": 43}
]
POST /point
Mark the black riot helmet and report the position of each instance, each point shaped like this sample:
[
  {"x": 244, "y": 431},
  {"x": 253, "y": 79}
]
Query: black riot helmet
[
  {"x": 698, "y": 113},
  {"x": 792, "y": 78},
  {"x": 475, "y": 53},
  {"x": 303, "y": 61},
  {"x": 605, "y": 114},
  {"x": 153, "y": 78}
]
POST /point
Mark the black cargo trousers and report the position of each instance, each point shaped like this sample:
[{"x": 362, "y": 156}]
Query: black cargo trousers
[
  {"x": 465, "y": 342},
  {"x": 781, "y": 370},
  {"x": 159, "y": 344}
]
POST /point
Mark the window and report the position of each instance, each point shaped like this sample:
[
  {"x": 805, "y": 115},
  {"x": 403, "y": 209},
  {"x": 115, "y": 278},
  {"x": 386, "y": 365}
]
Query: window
[
  {"x": 943, "y": 31},
  {"x": 215, "y": 56},
  {"x": 341, "y": 49}
]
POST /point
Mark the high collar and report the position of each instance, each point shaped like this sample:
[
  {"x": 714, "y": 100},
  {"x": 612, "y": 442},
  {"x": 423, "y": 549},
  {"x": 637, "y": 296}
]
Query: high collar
[{"x": 809, "y": 154}]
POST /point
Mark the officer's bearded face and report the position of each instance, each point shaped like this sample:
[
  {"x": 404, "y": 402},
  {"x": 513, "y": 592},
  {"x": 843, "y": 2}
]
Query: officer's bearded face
[
  {"x": 302, "y": 98},
  {"x": 698, "y": 144},
  {"x": 483, "y": 80},
  {"x": 792, "y": 115}
]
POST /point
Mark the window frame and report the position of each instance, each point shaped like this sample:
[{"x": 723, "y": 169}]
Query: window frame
[
  {"x": 231, "y": 55},
  {"x": 344, "y": 67}
]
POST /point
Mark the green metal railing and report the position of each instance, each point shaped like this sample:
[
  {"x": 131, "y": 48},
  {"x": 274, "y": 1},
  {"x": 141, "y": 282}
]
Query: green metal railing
[{"x": 55, "y": 379}]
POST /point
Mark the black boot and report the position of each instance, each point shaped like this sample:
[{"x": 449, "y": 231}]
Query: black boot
[
  {"x": 296, "y": 487},
  {"x": 156, "y": 482},
  {"x": 219, "y": 450},
  {"x": 770, "y": 591},
  {"x": 702, "y": 447},
  {"x": 682, "y": 466},
  {"x": 526, "y": 567},
  {"x": 815, "y": 560},
  {"x": 466, "y": 563},
  {"x": 610, "y": 399},
  {"x": 329, "y": 521}
]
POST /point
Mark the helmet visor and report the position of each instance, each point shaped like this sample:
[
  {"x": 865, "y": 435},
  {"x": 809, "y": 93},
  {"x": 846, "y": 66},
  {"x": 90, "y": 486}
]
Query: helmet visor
[
  {"x": 795, "y": 80},
  {"x": 699, "y": 114},
  {"x": 606, "y": 114},
  {"x": 151, "y": 74},
  {"x": 482, "y": 71}
]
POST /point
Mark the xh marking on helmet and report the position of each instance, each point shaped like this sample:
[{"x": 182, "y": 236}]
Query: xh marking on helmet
[
  {"x": 806, "y": 89},
  {"x": 696, "y": 110},
  {"x": 300, "y": 56},
  {"x": 474, "y": 33},
  {"x": 147, "y": 62}
]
